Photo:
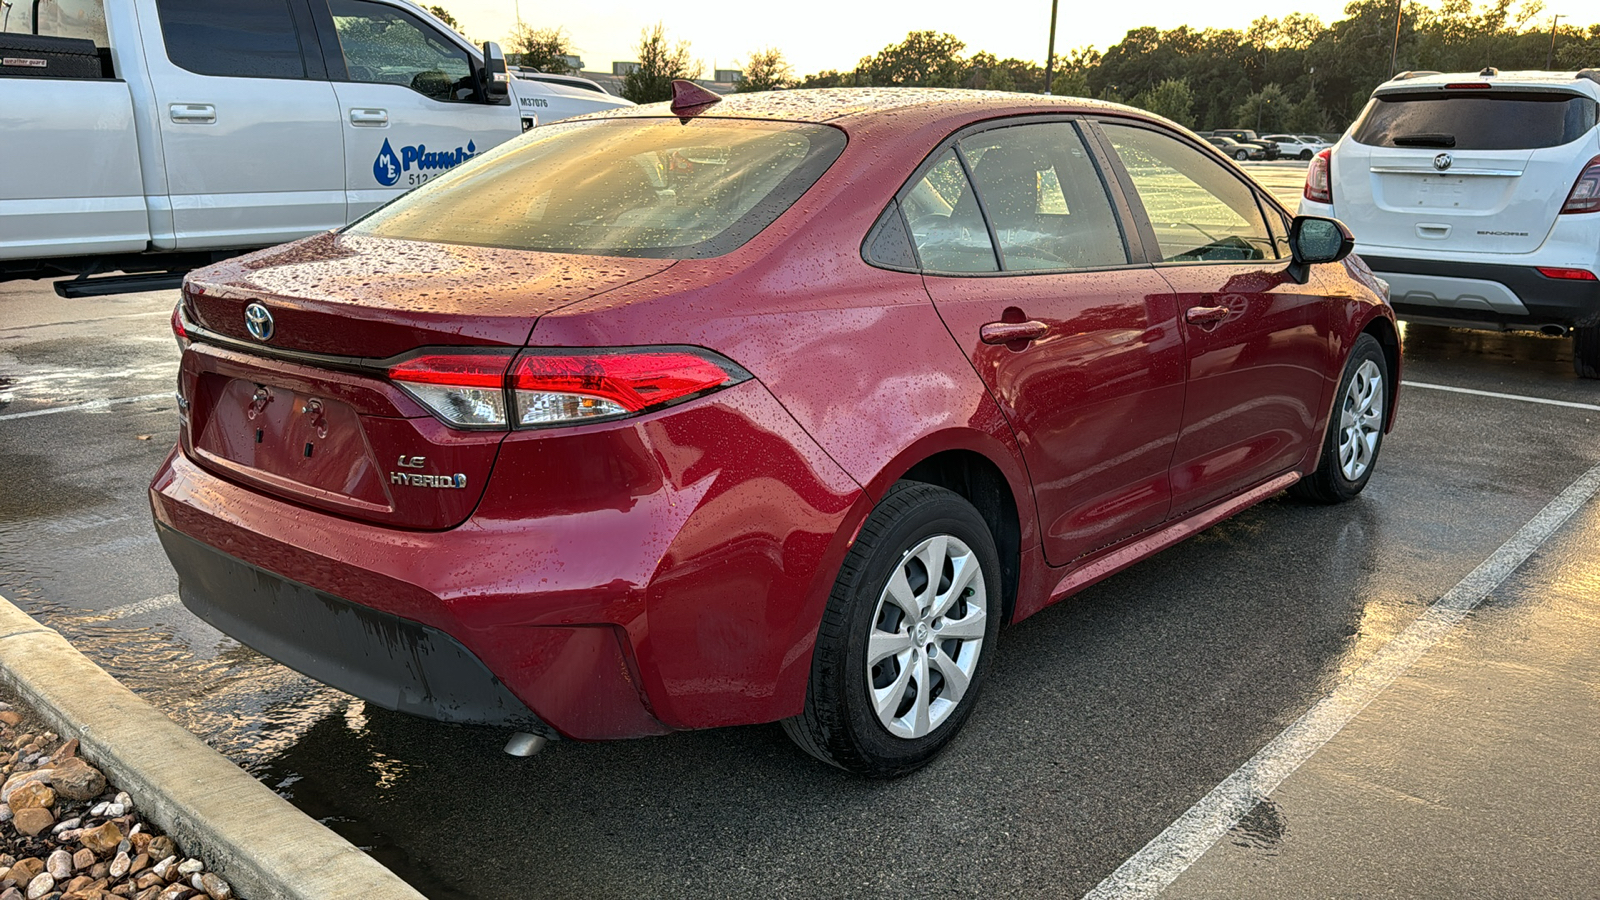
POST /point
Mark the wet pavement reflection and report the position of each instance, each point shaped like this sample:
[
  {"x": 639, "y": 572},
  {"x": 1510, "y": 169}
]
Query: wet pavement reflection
[{"x": 1103, "y": 720}]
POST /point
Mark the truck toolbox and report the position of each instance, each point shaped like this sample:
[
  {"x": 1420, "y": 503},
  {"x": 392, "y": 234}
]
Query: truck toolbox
[{"x": 35, "y": 56}]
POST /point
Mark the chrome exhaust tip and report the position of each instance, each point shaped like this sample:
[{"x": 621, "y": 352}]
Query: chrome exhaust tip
[
  {"x": 525, "y": 744},
  {"x": 1553, "y": 330}
]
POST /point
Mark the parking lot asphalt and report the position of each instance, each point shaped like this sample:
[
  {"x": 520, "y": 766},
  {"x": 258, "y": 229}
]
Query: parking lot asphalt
[{"x": 1105, "y": 719}]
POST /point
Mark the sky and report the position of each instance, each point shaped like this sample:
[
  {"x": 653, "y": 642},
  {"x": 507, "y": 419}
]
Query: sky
[{"x": 835, "y": 34}]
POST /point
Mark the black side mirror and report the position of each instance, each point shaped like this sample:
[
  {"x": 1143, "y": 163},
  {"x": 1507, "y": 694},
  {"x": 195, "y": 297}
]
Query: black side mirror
[
  {"x": 496, "y": 81},
  {"x": 1313, "y": 239}
]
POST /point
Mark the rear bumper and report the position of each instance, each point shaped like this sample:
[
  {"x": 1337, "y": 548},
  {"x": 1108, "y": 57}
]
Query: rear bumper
[
  {"x": 1484, "y": 293},
  {"x": 397, "y": 664}
]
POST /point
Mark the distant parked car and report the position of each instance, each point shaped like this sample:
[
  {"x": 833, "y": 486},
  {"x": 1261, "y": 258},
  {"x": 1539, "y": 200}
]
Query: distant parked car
[
  {"x": 1246, "y": 136},
  {"x": 1237, "y": 150},
  {"x": 1296, "y": 146},
  {"x": 577, "y": 82},
  {"x": 1477, "y": 197}
]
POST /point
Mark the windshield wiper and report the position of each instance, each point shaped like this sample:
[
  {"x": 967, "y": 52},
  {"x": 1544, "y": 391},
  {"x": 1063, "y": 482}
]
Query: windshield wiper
[{"x": 1425, "y": 139}]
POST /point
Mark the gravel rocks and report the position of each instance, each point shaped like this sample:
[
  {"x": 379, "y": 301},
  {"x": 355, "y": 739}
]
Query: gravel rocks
[{"x": 100, "y": 849}]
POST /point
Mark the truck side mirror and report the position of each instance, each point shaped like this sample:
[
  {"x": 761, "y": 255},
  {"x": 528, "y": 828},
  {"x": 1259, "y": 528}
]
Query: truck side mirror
[{"x": 496, "y": 82}]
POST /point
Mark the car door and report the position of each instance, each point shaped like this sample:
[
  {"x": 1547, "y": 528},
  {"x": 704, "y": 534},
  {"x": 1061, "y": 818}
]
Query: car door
[
  {"x": 1074, "y": 336},
  {"x": 1257, "y": 343},
  {"x": 410, "y": 105},
  {"x": 249, "y": 128}
]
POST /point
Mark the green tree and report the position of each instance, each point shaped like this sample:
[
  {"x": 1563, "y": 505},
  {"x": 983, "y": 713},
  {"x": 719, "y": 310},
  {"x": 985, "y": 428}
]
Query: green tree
[
  {"x": 1264, "y": 110},
  {"x": 1171, "y": 98},
  {"x": 765, "y": 70},
  {"x": 828, "y": 78},
  {"x": 539, "y": 48},
  {"x": 660, "y": 64},
  {"x": 923, "y": 59}
]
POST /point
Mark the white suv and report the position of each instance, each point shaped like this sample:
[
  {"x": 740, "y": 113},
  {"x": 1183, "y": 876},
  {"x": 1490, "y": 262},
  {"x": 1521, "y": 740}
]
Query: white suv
[{"x": 1477, "y": 197}]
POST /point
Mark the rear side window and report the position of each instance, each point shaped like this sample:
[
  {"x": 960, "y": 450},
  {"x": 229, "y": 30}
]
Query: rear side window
[
  {"x": 1044, "y": 198},
  {"x": 624, "y": 187},
  {"x": 1475, "y": 120},
  {"x": 946, "y": 224},
  {"x": 245, "y": 38}
]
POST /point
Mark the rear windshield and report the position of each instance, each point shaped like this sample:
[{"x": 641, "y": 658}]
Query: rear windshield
[
  {"x": 1477, "y": 120},
  {"x": 623, "y": 187}
]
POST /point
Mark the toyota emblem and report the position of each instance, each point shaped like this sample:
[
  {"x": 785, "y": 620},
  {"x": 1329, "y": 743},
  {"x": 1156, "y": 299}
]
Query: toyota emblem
[
  {"x": 258, "y": 321},
  {"x": 1442, "y": 161}
]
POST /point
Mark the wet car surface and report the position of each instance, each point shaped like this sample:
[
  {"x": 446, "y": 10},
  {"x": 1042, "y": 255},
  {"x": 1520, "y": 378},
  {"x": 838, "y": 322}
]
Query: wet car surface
[{"x": 1106, "y": 717}]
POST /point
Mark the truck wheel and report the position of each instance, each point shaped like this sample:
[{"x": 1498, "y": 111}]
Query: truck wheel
[
  {"x": 1355, "y": 430},
  {"x": 1586, "y": 351},
  {"x": 906, "y": 638}
]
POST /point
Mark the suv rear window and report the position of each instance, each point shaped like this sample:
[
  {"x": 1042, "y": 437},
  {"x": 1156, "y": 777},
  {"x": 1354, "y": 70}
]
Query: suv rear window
[
  {"x": 1478, "y": 120},
  {"x": 625, "y": 187}
]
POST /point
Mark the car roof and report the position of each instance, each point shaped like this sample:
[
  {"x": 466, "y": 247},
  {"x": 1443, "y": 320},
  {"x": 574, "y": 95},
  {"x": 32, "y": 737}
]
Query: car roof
[
  {"x": 1586, "y": 83},
  {"x": 844, "y": 104}
]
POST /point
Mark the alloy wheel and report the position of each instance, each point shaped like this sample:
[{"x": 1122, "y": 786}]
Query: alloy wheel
[
  {"x": 1361, "y": 420},
  {"x": 927, "y": 634}
]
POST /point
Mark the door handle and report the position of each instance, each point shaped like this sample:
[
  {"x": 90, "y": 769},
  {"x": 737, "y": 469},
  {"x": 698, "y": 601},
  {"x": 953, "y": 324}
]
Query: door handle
[
  {"x": 1205, "y": 316},
  {"x": 193, "y": 113},
  {"x": 1006, "y": 332},
  {"x": 371, "y": 117}
]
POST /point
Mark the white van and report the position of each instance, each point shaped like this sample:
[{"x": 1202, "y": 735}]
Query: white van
[
  {"x": 1477, "y": 197},
  {"x": 152, "y": 136}
]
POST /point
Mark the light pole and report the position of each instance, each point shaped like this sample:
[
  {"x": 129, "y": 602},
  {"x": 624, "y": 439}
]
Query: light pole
[
  {"x": 1394, "y": 51},
  {"x": 1550, "y": 60},
  {"x": 1050, "y": 54}
]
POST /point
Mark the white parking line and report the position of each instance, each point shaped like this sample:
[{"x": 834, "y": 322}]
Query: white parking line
[
  {"x": 1174, "y": 850},
  {"x": 137, "y": 315},
  {"x": 1456, "y": 390},
  {"x": 142, "y": 606},
  {"x": 78, "y": 407}
]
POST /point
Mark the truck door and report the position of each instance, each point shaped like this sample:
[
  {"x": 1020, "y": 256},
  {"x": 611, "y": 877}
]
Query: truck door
[
  {"x": 409, "y": 102},
  {"x": 249, "y": 125}
]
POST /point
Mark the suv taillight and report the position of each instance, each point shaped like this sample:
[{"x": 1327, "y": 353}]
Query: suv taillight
[
  {"x": 1319, "y": 178},
  {"x": 1585, "y": 196},
  {"x": 543, "y": 388}
]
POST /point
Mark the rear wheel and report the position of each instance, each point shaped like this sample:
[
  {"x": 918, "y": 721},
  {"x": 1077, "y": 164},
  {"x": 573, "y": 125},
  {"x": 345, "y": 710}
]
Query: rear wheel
[
  {"x": 906, "y": 638},
  {"x": 1355, "y": 431},
  {"x": 1586, "y": 351}
]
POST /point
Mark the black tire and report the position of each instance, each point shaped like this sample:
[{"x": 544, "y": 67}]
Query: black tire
[
  {"x": 839, "y": 724},
  {"x": 1241, "y": 155},
  {"x": 1329, "y": 483},
  {"x": 1586, "y": 351},
  {"x": 1305, "y": 154}
]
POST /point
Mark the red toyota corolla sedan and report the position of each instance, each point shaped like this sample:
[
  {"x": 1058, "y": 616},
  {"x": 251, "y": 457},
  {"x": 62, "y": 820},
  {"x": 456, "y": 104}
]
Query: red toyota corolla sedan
[{"x": 768, "y": 409}]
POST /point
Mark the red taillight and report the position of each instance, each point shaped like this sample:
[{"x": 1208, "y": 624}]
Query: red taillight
[
  {"x": 1467, "y": 86},
  {"x": 1585, "y": 195},
  {"x": 178, "y": 331},
  {"x": 464, "y": 389},
  {"x": 551, "y": 388},
  {"x": 1567, "y": 274},
  {"x": 1319, "y": 178},
  {"x": 543, "y": 388}
]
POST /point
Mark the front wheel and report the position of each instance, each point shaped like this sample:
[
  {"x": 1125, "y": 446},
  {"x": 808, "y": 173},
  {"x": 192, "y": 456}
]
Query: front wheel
[
  {"x": 1355, "y": 431},
  {"x": 1586, "y": 351},
  {"x": 1241, "y": 155},
  {"x": 1305, "y": 154},
  {"x": 906, "y": 638}
]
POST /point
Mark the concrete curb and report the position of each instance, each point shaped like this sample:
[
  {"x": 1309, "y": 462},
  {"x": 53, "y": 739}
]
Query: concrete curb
[{"x": 259, "y": 842}]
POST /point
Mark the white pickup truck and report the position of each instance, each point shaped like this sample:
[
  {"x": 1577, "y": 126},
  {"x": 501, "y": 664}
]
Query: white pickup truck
[{"x": 151, "y": 136}]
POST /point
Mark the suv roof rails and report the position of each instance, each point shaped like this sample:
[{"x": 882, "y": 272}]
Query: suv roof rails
[
  {"x": 1591, "y": 74},
  {"x": 1488, "y": 71},
  {"x": 1417, "y": 74}
]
